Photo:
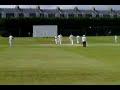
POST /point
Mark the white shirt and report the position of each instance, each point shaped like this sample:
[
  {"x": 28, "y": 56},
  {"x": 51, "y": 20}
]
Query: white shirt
[
  {"x": 55, "y": 37},
  {"x": 83, "y": 39},
  {"x": 10, "y": 37},
  {"x": 60, "y": 36},
  {"x": 71, "y": 37},
  {"x": 78, "y": 37},
  {"x": 115, "y": 37}
]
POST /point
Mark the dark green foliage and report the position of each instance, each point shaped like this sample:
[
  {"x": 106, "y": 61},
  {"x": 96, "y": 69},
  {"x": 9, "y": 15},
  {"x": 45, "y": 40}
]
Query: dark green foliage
[{"x": 81, "y": 25}]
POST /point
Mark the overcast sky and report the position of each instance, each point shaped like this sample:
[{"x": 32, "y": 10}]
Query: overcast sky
[{"x": 98, "y": 7}]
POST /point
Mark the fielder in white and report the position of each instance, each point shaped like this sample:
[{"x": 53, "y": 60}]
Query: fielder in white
[
  {"x": 56, "y": 40},
  {"x": 60, "y": 39},
  {"x": 10, "y": 40},
  {"x": 71, "y": 39},
  {"x": 115, "y": 38},
  {"x": 78, "y": 39}
]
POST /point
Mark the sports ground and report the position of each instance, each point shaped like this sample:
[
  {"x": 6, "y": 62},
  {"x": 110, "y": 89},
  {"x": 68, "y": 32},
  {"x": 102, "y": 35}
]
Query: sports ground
[{"x": 38, "y": 61}]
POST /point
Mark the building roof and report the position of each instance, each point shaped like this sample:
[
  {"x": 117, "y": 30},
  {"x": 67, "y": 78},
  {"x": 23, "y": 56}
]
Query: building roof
[{"x": 53, "y": 11}]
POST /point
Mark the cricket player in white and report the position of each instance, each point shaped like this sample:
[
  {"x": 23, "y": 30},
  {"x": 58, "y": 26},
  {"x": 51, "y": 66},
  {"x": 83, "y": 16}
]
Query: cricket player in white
[
  {"x": 84, "y": 40},
  {"x": 56, "y": 40},
  {"x": 115, "y": 38},
  {"x": 71, "y": 39},
  {"x": 10, "y": 40},
  {"x": 60, "y": 39},
  {"x": 78, "y": 39}
]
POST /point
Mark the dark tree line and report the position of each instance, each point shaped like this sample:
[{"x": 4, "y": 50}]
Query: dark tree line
[{"x": 23, "y": 27}]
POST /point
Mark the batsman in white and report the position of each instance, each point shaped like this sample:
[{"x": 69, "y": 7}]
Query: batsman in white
[
  {"x": 71, "y": 39},
  {"x": 60, "y": 39},
  {"x": 10, "y": 40},
  {"x": 56, "y": 40},
  {"x": 115, "y": 38},
  {"x": 78, "y": 39}
]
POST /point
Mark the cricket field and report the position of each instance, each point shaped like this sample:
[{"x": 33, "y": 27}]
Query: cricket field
[{"x": 38, "y": 61}]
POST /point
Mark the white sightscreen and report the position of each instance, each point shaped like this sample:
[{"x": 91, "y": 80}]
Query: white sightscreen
[{"x": 44, "y": 30}]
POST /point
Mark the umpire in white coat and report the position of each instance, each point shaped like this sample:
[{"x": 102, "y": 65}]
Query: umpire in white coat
[{"x": 84, "y": 40}]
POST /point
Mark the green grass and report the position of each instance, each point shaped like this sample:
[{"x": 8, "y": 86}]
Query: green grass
[{"x": 31, "y": 61}]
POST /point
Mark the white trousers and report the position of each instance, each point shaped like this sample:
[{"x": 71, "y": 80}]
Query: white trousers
[
  {"x": 56, "y": 41},
  {"x": 71, "y": 41},
  {"x": 78, "y": 42},
  {"x": 60, "y": 42},
  {"x": 115, "y": 40},
  {"x": 10, "y": 42}
]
